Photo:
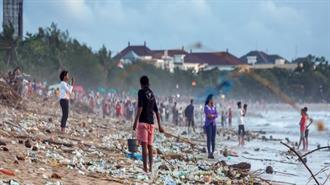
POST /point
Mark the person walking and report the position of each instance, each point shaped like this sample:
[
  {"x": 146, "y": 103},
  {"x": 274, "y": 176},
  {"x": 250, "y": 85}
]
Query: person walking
[
  {"x": 118, "y": 110},
  {"x": 175, "y": 114},
  {"x": 65, "y": 91},
  {"x": 230, "y": 116},
  {"x": 302, "y": 124},
  {"x": 106, "y": 107},
  {"x": 167, "y": 113},
  {"x": 189, "y": 114},
  {"x": 210, "y": 125},
  {"x": 130, "y": 111},
  {"x": 241, "y": 129},
  {"x": 144, "y": 121},
  {"x": 223, "y": 119},
  {"x": 307, "y": 127}
]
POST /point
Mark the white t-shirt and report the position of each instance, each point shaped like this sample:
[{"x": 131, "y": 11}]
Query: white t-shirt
[
  {"x": 240, "y": 116},
  {"x": 65, "y": 90}
]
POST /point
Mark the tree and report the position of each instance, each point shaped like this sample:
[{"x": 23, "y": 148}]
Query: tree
[
  {"x": 8, "y": 43},
  {"x": 44, "y": 53}
]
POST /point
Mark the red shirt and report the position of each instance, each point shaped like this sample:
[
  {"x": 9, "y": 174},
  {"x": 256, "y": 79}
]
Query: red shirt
[
  {"x": 303, "y": 122},
  {"x": 118, "y": 109}
]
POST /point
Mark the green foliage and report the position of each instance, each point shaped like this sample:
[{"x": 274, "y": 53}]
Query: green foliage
[
  {"x": 48, "y": 51},
  {"x": 8, "y": 44}
]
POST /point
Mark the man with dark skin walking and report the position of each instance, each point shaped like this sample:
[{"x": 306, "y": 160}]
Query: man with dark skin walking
[
  {"x": 189, "y": 113},
  {"x": 144, "y": 121}
]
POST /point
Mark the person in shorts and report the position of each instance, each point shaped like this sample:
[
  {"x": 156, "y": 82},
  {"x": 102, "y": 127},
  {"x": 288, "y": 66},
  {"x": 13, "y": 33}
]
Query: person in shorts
[{"x": 144, "y": 121}]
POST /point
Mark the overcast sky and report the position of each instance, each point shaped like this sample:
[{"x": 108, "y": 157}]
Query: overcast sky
[{"x": 287, "y": 28}]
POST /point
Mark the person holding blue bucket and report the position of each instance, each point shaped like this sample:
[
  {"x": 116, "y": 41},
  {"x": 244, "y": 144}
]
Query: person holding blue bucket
[{"x": 144, "y": 121}]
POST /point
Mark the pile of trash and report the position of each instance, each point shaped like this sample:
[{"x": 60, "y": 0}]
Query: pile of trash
[
  {"x": 94, "y": 150},
  {"x": 8, "y": 95},
  {"x": 81, "y": 108}
]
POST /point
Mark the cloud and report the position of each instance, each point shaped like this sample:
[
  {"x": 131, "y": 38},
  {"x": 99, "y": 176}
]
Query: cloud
[
  {"x": 281, "y": 15},
  {"x": 238, "y": 25},
  {"x": 76, "y": 13},
  {"x": 77, "y": 9}
]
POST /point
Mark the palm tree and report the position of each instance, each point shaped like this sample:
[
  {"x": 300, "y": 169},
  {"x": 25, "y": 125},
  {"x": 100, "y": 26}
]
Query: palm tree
[{"x": 8, "y": 43}]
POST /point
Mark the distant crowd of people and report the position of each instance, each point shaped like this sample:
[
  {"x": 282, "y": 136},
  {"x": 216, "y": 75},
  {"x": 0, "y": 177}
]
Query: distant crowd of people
[
  {"x": 24, "y": 85},
  {"x": 140, "y": 110}
]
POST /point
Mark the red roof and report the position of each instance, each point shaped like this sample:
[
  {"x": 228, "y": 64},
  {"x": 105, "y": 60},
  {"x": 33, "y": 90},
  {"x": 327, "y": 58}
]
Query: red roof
[
  {"x": 139, "y": 50},
  {"x": 213, "y": 58}
]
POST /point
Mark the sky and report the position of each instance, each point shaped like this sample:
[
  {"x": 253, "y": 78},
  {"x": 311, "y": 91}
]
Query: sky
[{"x": 290, "y": 28}]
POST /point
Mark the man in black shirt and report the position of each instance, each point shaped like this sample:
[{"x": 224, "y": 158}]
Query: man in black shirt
[
  {"x": 189, "y": 113},
  {"x": 144, "y": 121}
]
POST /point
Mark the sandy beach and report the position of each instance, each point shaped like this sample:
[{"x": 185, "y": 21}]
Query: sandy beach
[{"x": 94, "y": 151}]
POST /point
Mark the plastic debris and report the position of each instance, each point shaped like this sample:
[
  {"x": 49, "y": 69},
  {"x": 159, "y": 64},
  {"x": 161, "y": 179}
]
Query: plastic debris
[
  {"x": 12, "y": 182},
  {"x": 7, "y": 172},
  {"x": 135, "y": 156}
]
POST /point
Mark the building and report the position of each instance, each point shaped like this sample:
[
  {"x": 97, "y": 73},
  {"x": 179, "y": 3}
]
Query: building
[
  {"x": 260, "y": 57},
  {"x": 135, "y": 53},
  {"x": 13, "y": 14},
  {"x": 164, "y": 59},
  {"x": 209, "y": 60},
  {"x": 169, "y": 59},
  {"x": 262, "y": 60}
]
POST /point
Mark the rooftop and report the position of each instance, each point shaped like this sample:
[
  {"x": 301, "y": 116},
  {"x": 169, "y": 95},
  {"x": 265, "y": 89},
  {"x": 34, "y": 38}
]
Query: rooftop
[
  {"x": 262, "y": 57},
  {"x": 213, "y": 58}
]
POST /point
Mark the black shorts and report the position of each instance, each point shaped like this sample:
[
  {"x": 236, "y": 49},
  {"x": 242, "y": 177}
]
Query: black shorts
[
  {"x": 241, "y": 130},
  {"x": 190, "y": 122},
  {"x": 306, "y": 133}
]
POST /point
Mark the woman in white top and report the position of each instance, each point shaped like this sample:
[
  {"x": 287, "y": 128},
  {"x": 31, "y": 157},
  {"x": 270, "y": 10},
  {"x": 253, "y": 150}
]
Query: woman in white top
[
  {"x": 65, "y": 91},
  {"x": 241, "y": 129}
]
